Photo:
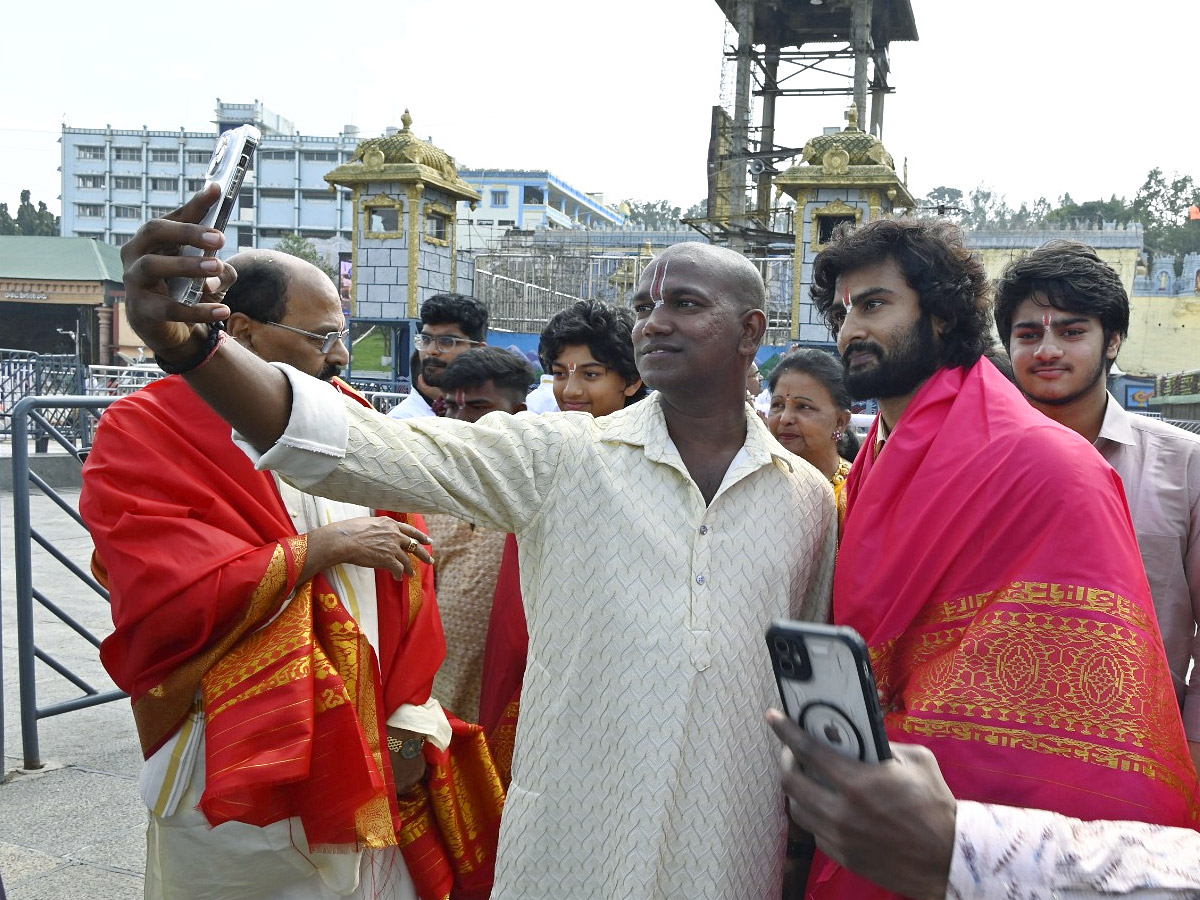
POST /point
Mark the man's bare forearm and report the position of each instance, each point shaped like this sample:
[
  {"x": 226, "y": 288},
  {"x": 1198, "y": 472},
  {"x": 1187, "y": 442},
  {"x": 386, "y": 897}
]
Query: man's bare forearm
[{"x": 252, "y": 396}]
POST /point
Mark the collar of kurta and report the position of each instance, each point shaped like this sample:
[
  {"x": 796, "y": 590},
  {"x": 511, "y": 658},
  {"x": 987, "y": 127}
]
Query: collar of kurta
[{"x": 644, "y": 425}]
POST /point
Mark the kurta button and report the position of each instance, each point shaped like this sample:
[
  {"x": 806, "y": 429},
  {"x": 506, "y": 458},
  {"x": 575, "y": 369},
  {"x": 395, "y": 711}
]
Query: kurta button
[
  {"x": 704, "y": 529},
  {"x": 699, "y": 579}
]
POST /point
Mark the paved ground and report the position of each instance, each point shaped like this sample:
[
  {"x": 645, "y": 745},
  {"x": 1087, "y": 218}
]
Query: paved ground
[{"x": 76, "y": 827}]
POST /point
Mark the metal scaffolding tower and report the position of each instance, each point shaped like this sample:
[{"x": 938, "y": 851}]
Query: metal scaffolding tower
[{"x": 790, "y": 48}]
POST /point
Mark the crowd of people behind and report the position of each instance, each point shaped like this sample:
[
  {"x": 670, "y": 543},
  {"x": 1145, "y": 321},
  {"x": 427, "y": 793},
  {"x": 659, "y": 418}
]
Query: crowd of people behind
[{"x": 559, "y": 692}]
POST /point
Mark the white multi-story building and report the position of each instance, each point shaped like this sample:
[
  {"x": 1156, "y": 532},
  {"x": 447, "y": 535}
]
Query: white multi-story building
[
  {"x": 114, "y": 180},
  {"x": 526, "y": 199}
]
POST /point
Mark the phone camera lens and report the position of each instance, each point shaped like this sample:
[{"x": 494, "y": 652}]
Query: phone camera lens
[{"x": 785, "y": 665}]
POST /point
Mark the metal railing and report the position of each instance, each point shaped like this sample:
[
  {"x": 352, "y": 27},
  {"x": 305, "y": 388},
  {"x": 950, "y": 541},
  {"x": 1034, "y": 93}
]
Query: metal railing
[
  {"x": 522, "y": 291},
  {"x": 25, "y": 374},
  {"x": 40, "y": 412},
  {"x": 117, "y": 381}
]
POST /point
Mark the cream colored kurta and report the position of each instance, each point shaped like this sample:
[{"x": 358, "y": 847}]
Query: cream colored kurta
[{"x": 643, "y": 767}]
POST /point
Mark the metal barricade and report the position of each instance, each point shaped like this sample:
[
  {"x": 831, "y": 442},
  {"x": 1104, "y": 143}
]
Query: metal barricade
[
  {"x": 26, "y": 374},
  {"x": 40, "y": 412}
]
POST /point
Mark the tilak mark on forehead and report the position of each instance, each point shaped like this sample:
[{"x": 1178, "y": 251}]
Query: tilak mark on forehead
[
  {"x": 846, "y": 298},
  {"x": 657, "y": 281}
]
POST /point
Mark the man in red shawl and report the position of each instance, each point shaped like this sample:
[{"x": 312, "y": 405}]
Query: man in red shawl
[
  {"x": 988, "y": 558},
  {"x": 279, "y": 648}
]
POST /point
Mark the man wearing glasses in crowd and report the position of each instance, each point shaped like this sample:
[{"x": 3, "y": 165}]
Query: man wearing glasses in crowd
[{"x": 451, "y": 324}]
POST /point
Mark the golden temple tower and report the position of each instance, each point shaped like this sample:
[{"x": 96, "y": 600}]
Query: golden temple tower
[{"x": 847, "y": 176}]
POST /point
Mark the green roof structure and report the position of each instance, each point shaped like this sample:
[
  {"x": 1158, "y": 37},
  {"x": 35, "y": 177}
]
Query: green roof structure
[{"x": 59, "y": 259}]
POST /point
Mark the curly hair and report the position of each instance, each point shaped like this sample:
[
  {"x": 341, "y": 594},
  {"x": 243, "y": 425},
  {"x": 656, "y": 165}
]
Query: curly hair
[
  {"x": 511, "y": 374},
  {"x": 948, "y": 278},
  {"x": 826, "y": 369},
  {"x": 1072, "y": 278},
  {"x": 606, "y": 330},
  {"x": 456, "y": 309}
]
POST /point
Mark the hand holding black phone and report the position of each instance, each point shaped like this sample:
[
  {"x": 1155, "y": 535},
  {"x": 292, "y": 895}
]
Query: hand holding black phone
[{"x": 827, "y": 688}]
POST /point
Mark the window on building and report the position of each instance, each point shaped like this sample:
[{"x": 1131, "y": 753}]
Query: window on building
[
  {"x": 94, "y": 235},
  {"x": 120, "y": 239},
  {"x": 127, "y": 154},
  {"x": 194, "y": 185},
  {"x": 127, "y": 183},
  {"x": 157, "y": 212},
  {"x": 506, "y": 223},
  {"x": 826, "y": 225},
  {"x": 436, "y": 224},
  {"x": 384, "y": 219},
  {"x": 126, "y": 212},
  {"x": 277, "y": 154},
  {"x": 198, "y": 157},
  {"x": 160, "y": 155},
  {"x": 89, "y": 181},
  {"x": 89, "y": 152},
  {"x": 499, "y": 198},
  {"x": 245, "y": 238},
  {"x": 246, "y": 199},
  {"x": 89, "y": 210},
  {"x": 485, "y": 222},
  {"x": 320, "y": 156},
  {"x": 534, "y": 195},
  {"x": 164, "y": 184}
]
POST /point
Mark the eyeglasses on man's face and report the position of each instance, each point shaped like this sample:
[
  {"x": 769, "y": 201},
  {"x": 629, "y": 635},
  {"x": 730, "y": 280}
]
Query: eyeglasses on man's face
[
  {"x": 327, "y": 340},
  {"x": 444, "y": 342}
]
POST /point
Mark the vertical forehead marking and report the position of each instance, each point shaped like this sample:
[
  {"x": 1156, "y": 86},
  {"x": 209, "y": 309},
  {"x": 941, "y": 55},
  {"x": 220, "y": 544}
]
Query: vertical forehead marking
[
  {"x": 571, "y": 367},
  {"x": 460, "y": 397},
  {"x": 656, "y": 283},
  {"x": 1047, "y": 320},
  {"x": 846, "y": 298}
]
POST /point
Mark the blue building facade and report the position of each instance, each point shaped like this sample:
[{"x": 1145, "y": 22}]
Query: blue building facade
[
  {"x": 113, "y": 180},
  {"x": 527, "y": 199}
]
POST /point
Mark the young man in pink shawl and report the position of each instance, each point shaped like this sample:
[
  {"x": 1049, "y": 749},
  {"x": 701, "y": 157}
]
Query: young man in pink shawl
[{"x": 988, "y": 558}]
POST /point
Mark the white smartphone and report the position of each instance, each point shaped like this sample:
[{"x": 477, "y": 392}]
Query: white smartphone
[
  {"x": 227, "y": 167},
  {"x": 827, "y": 687}
]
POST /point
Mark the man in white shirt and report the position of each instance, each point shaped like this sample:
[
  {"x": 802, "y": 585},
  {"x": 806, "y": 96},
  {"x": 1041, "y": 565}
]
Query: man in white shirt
[
  {"x": 451, "y": 324},
  {"x": 647, "y": 571},
  {"x": 1062, "y": 312},
  {"x": 897, "y": 824}
]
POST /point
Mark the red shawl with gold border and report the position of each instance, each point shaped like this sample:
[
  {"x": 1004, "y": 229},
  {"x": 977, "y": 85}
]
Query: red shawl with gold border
[
  {"x": 989, "y": 561},
  {"x": 198, "y": 558}
]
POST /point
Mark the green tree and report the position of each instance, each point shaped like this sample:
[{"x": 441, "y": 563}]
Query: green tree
[
  {"x": 8, "y": 225},
  {"x": 1095, "y": 212},
  {"x": 1162, "y": 208},
  {"x": 30, "y": 220},
  {"x": 942, "y": 196},
  {"x": 653, "y": 215},
  {"x": 302, "y": 248}
]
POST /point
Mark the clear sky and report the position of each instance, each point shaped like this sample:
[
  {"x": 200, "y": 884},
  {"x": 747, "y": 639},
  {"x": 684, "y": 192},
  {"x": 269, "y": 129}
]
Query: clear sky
[{"x": 1028, "y": 97}]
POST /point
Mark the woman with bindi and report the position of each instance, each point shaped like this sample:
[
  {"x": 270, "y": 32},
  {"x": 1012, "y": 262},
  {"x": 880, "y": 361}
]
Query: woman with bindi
[{"x": 810, "y": 415}]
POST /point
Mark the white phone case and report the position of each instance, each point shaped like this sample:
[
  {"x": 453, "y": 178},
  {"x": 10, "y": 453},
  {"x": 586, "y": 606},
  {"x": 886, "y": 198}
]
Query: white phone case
[{"x": 227, "y": 167}]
